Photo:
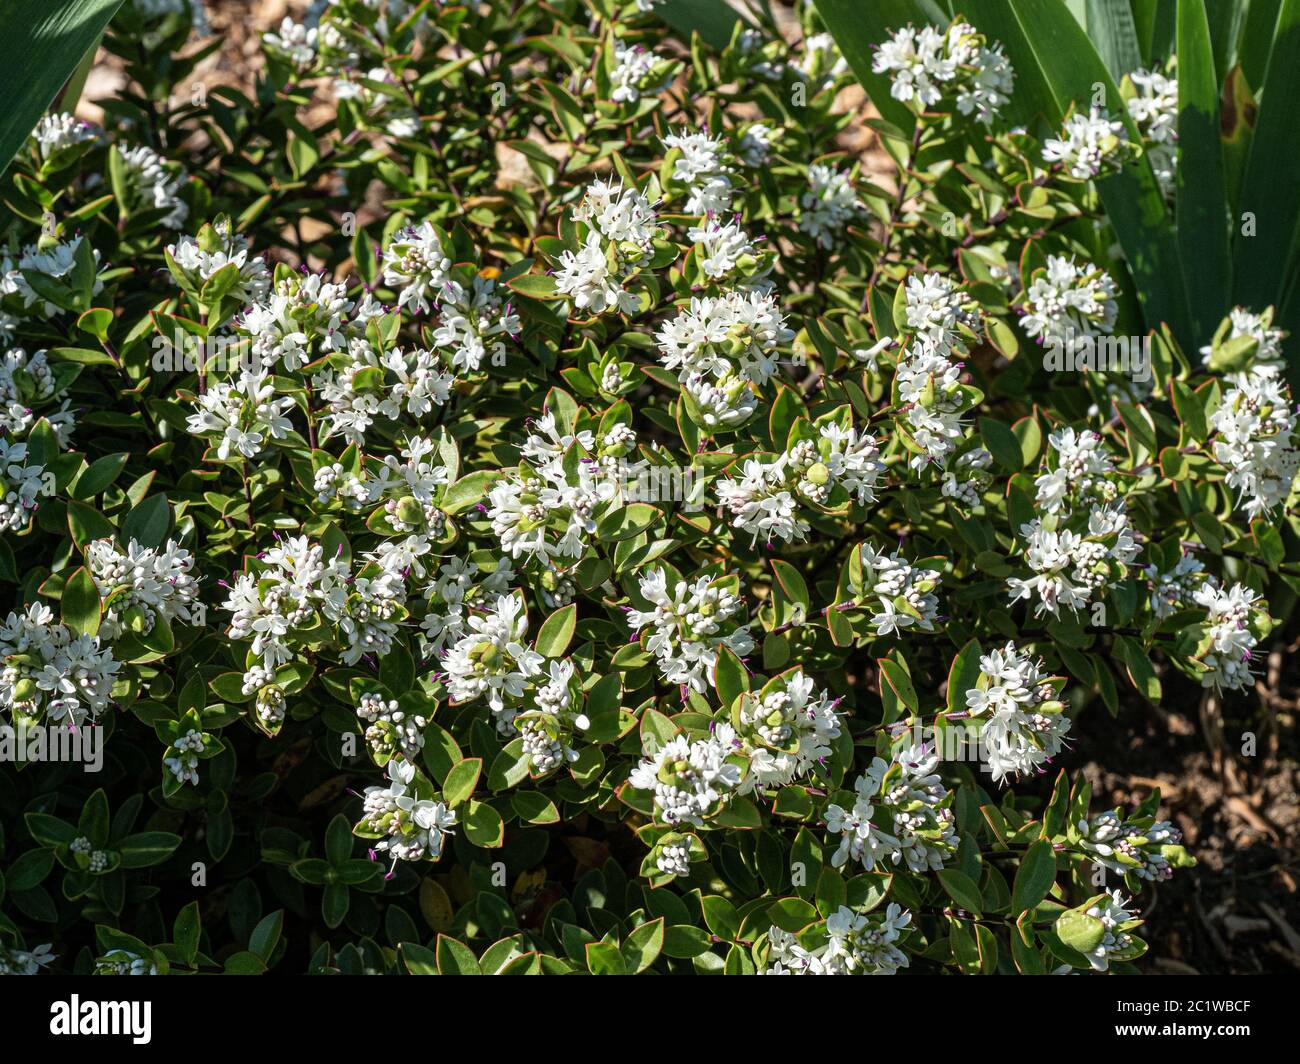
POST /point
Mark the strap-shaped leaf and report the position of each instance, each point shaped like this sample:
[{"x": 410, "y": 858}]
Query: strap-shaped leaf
[{"x": 41, "y": 44}]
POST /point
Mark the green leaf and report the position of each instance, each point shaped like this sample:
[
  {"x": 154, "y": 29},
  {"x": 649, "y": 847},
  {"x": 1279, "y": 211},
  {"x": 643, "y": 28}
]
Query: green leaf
[
  {"x": 963, "y": 675},
  {"x": 147, "y": 848},
  {"x": 1080, "y": 931},
  {"x": 1056, "y": 66},
  {"x": 484, "y": 826},
  {"x": 185, "y": 931},
  {"x": 1001, "y": 443},
  {"x": 1264, "y": 261},
  {"x": 80, "y": 605},
  {"x": 1034, "y": 877},
  {"x": 1203, "y": 234},
  {"x": 556, "y": 633},
  {"x": 462, "y": 780},
  {"x": 455, "y": 958},
  {"x": 41, "y": 46},
  {"x": 148, "y": 523},
  {"x": 1114, "y": 31},
  {"x": 962, "y": 889},
  {"x": 604, "y": 958},
  {"x": 643, "y": 946}
]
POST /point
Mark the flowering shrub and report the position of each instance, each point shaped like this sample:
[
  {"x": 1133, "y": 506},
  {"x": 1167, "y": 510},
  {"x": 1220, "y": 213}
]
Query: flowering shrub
[{"x": 513, "y": 495}]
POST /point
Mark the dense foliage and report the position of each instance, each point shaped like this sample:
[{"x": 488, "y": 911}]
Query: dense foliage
[{"x": 512, "y": 495}]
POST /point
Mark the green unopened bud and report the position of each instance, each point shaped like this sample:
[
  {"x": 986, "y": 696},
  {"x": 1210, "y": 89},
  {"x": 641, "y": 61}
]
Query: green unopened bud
[
  {"x": 25, "y": 689},
  {"x": 409, "y": 511},
  {"x": 817, "y": 474},
  {"x": 209, "y": 239},
  {"x": 137, "y": 620},
  {"x": 1051, "y": 708}
]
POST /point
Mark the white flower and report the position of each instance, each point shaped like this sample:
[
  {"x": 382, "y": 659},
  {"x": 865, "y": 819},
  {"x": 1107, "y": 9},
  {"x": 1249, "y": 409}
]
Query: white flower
[
  {"x": 1021, "y": 718},
  {"x": 1253, "y": 436},
  {"x": 828, "y": 204},
  {"x": 689, "y": 780},
  {"x": 1068, "y": 304},
  {"x": 155, "y": 184},
  {"x": 703, "y": 168},
  {"x": 47, "y": 671},
  {"x": 927, "y": 65},
  {"x": 54, "y": 132},
  {"x": 1155, "y": 112},
  {"x": 415, "y": 263},
  {"x": 1088, "y": 144},
  {"x": 688, "y": 624},
  {"x": 141, "y": 584},
  {"x": 491, "y": 660},
  {"x": 295, "y": 43}
]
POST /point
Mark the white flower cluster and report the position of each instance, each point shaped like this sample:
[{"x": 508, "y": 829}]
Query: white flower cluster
[
  {"x": 619, "y": 242},
  {"x": 414, "y": 828},
  {"x": 722, "y": 248},
  {"x": 199, "y": 258},
  {"x": 904, "y": 592},
  {"x": 637, "y": 71},
  {"x": 1254, "y": 439},
  {"x": 1173, "y": 589},
  {"x": 766, "y": 499},
  {"x": 141, "y": 584},
  {"x": 471, "y": 324},
  {"x": 1154, "y": 109},
  {"x": 828, "y": 204},
  {"x": 1088, "y": 145},
  {"x": 452, "y": 593},
  {"x": 26, "y": 382},
  {"x": 548, "y": 725},
  {"x": 968, "y": 477},
  {"x": 723, "y": 348},
  {"x": 54, "y": 132},
  {"x": 48, "y": 673},
  {"x": 15, "y": 961},
  {"x": 300, "y": 315},
  {"x": 124, "y": 962},
  {"x": 21, "y": 483},
  {"x": 492, "y": 660},
  {"x": 295, "y": 43},
  {"x": 1232, "y": 620},
  {"x": 1072, "y": 566},
  {"x": 1116, "y": 918},
  {"x": 53, "y": 259},
  {"x": 855, "y": 944},
  {"x": 415, "y": 263},
  {"x": 155, "y": 184},
  {"x": 391, "y": 733},
  {"x": 1130, "y": 847},
  {"x": 184, "y": 763},
  {"x": 690, "y": 781},
  {"x": 704, "y": 168},
  {"x": 902, "y": 813},
  {"x": 927, "y": 380},
  {"x": 364, "y": 386},
  {"x": 546, "y": 508},
  {"x": 785, "y": 730},
  {"x": 930, "y": 65},
  {"x": 241, "y": 417},
  {"x": 1069, "y": 303},
  {"x": 1268, "y": 357},
  {"x": 1084, "y": 542},
  {"x": 1021, "y": 716},
  {"x": 294, "y": 586},
  {"x": 689, "y": 623}
]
